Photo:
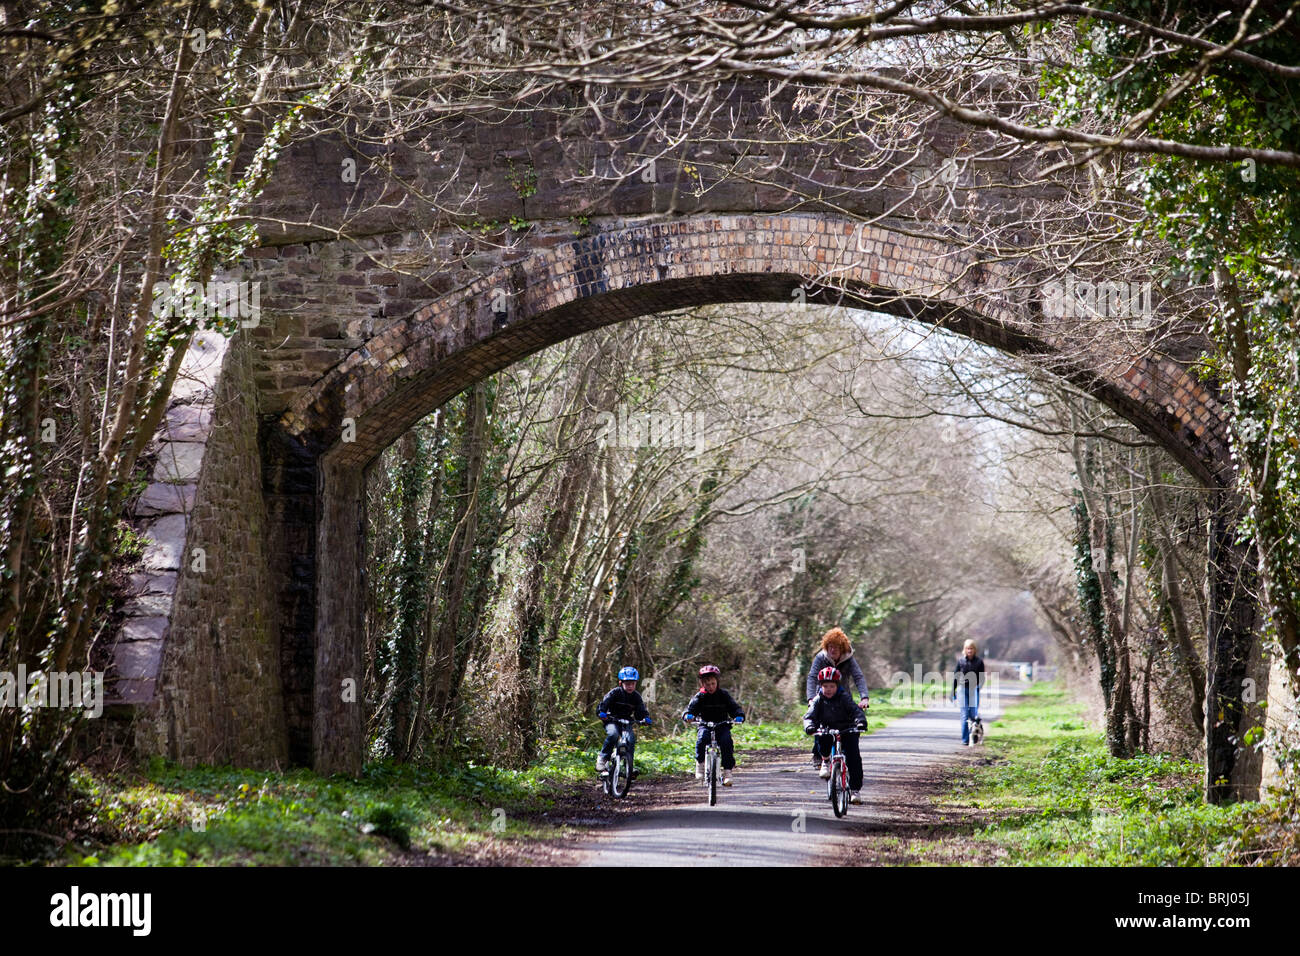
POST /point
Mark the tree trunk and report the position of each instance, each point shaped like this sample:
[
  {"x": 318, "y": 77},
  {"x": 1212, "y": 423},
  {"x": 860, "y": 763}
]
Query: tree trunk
[
  {"x": 1106, "y": 622},
  {"x": 445, "y": 665},
  {"x": 1171, "y": 592},
  {"x": 1231, "y": 627},
  {"x": 411, "y": 599},
  {"x": 1146, "y": 704}
]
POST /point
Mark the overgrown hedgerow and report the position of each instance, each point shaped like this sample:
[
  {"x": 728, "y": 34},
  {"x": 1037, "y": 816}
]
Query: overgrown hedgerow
[{"x": 1054, "y": 796}]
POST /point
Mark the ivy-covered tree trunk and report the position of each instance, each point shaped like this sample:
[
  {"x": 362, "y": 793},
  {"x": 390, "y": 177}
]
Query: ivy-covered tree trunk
[
  {"x": 411, "y": 598},
  {"x": 1261, "y": 345},
  {"x": 1088, "y": 585},
  {"x": 1096, "y": 585},
  {"x": 26, "y": 766},
  {"x": 1232, "y": 618},
  {"x": 1121, "y": 720}
]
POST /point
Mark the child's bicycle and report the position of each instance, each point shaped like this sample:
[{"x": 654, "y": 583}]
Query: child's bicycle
[
  {"x": 975, "y": 728},
  {"x": 837, "y": 787},
  {"x": 712, "y": 757},
  {"x": 617, "y": 775}
]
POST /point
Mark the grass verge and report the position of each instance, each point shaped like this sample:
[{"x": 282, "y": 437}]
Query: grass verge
[
  {"x": 1054, "y": 796},
  {"x": 166, "y": 815}
]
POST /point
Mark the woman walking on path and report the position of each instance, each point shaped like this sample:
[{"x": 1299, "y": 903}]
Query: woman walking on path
[
  {"x": 969, "y": 676},
  {"x": 838, "y": 653}
]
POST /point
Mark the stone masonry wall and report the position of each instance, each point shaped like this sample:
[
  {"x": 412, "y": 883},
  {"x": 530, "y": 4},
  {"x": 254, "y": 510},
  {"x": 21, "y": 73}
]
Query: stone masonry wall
[{"x": 208, "y": 684}]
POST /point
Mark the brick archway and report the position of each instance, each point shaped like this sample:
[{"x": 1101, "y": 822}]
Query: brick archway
[
  {"x": 382, "y": 300},
  {"x": 416, "y": 364},
  {"x": 317, "y": 450}
]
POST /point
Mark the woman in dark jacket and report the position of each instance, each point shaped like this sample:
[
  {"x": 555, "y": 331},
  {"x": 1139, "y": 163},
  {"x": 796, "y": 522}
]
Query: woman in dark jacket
[
  {"x": 838, "y": 653},
  {"x": 968, "y": 677}
]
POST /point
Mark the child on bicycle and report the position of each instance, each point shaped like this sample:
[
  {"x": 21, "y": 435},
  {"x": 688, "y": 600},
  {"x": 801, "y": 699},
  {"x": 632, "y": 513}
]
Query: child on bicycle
[
  {"x": 713, "y": 704},
  {"x": 623, "y": 701},
  {"x": 833, "y": 707}
]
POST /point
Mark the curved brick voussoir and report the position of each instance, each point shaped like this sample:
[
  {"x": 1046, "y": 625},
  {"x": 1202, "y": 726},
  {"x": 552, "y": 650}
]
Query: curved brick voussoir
[{"x": 412, "y": 365}]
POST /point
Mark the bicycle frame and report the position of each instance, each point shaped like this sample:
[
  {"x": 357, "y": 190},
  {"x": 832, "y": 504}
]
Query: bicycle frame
[
  {"x": 712, "y": 757},
  {"x": 837, "y": 787},
  {"x": 616, "y": 782}
]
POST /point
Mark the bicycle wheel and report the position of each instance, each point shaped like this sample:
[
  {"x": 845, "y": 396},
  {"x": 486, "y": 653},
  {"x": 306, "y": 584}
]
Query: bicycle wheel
[
  {"x": 622, "y": 775},
  {"x": 839, "y": 790},
  {"x": 607, "y": 777},
  {"x": 711, "y": 772}
]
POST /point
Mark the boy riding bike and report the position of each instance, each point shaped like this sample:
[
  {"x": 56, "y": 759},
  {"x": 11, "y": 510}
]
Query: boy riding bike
[
  {"x": 713, "y": 704},
  {"x": 833, "y": 707},
  {"x": 623, "y": 701}
]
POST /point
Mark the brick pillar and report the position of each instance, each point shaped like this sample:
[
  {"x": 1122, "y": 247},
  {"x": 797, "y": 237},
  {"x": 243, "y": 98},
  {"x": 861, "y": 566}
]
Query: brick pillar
[
  {"x": 338, "y": 719},
  {"x": 290, "y": 478}
]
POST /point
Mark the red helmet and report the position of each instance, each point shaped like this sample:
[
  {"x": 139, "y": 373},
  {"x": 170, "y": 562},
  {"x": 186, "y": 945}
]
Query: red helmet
[
  {"x": 828, "y": 673},
  {"x": 709, "y": 670}
]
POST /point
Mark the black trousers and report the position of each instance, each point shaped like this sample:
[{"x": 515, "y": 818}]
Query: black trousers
[
  {"x": 724, "y": 744},
  {"x": 852, "y": 756}
]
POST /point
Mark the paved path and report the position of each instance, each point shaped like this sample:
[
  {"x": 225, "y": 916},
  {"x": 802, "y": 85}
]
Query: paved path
[{"x": 778, "y": 814}]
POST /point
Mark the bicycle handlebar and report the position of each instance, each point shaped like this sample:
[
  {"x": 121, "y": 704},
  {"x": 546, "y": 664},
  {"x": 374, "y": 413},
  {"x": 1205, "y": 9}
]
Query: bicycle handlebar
[
  {"x": 827, "y": 731},
  {"x": 709, "y": 723}
]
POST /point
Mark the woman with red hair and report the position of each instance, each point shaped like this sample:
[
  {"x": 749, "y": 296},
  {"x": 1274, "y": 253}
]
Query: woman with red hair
[
  {"x": 838, "y": 653},
  {"x": 835, "y": 652}
]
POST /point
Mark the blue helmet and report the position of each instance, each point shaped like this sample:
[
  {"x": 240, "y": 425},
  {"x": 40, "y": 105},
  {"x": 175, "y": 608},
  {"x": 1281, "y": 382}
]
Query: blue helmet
[{"x": 628, "y": 673}]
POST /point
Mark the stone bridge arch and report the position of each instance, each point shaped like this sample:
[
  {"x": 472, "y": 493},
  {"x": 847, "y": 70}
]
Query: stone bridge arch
[
  {"x": 340, "y": 423},
  {"x": 247, "y": 659}
]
